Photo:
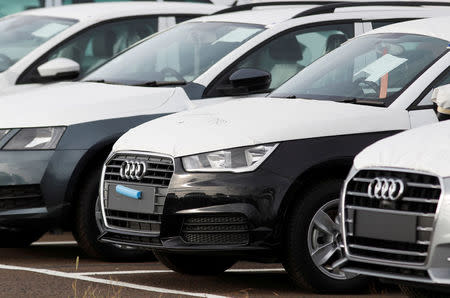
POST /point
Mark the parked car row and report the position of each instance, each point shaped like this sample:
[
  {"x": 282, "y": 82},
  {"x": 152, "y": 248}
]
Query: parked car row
[{"x": 269, "y": 106}]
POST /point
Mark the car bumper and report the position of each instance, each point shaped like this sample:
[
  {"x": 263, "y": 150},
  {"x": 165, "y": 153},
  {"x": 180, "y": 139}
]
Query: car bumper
[
  {"x": 215, "y": 213},
  {"x": 33, "y": 186}
]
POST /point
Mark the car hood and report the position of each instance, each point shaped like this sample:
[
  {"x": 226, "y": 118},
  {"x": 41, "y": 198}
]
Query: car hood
[
  {"x": 422, "y": 149},
  {"x": 251, "y": 121},
  {"x": 77, "y": 102}
]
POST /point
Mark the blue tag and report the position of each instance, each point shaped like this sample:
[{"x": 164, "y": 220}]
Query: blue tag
[{"x": 129, "y": 192}]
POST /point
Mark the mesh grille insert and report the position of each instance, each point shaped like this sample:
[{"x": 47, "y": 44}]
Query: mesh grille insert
[{"x": 216, "y": 230}]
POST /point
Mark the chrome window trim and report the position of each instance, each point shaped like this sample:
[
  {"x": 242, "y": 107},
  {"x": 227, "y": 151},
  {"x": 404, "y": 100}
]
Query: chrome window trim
[
  {"x": 102, "y": 182},
  {"x": 351, "y": 257}
]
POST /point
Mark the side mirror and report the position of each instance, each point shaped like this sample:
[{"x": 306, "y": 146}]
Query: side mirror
[
  {"x": 59, "y": 69},
  {"x": 441, "y": 96},
  {"x": 247, "y": 80}
]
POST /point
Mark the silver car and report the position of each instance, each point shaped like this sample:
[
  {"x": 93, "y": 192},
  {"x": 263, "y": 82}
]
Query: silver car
[{"x": 395, "y": 208}]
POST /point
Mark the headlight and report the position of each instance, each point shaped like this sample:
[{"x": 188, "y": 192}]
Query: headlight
[
  {"x": 41, "y": 138},
  {"x": 230, "y": 160},
  {"x": 3, "y": 132}
]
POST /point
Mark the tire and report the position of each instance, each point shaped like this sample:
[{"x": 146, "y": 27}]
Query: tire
[
  {"x": 19, "y": 238},
  {"x": 88, "y": 225},
  {"x": 303, "y": 238},
  {"x": 421, "y": 293},
  {"x": 194, "y": 265}
]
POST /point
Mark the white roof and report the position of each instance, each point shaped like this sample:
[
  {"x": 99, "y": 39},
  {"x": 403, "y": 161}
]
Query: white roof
[
  {"x": 438, "y": 27},
  {"x": 265, "y": 15},
  {"x": 108, "y": 10}
]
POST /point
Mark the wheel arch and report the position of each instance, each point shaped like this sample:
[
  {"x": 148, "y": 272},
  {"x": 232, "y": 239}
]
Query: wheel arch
[
  {"x": 94, "y": 157},
  {"x": 334, "y": 168}
]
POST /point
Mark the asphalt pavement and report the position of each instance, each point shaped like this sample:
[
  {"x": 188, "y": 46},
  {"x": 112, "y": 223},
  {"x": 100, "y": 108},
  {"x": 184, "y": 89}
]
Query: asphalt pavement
[{"x": 49, "y": 268}]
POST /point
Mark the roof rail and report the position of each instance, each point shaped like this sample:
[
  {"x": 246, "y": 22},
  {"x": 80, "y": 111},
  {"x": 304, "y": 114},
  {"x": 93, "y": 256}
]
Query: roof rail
[
  {"x": 250, "y": 6},
  {"x": 330, "y": 8}
]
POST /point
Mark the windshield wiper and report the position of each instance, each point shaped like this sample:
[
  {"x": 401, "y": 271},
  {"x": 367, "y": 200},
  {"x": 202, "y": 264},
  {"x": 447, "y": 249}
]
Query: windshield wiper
[
  {"x": 364, "y": 102},
  {"x": 102, "y": 82},
  {"x": 161, "y": 83}
]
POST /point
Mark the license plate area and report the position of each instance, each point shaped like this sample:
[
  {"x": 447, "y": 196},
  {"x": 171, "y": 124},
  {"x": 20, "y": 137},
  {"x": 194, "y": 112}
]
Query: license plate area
[
  {"x": 117, "y": 201},
  {"x": 386, "y": 226}
]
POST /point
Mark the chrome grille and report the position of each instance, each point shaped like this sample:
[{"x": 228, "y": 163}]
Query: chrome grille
[
  {"x": 420, "y": 199},
  {"x": 158, "y": 174}
]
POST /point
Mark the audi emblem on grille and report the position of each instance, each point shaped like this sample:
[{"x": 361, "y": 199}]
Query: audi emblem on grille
[
  {"x": 386, "y": 189},
  {"x": 134, "y": 170}
]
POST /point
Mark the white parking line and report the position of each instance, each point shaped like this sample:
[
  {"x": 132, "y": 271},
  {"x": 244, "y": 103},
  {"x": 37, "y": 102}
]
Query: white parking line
[
  {"x": 54, "y": 243},
  {"x": 273, "y": 270},
  {"x": 107, "y": 282}
]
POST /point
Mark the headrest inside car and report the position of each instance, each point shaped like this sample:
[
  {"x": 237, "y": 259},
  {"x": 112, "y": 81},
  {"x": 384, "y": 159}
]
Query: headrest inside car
[
  {"x": 334, "y": 41},
  {"x": 286, "y": 49}
]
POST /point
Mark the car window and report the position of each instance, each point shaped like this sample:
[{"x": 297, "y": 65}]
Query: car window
[
  {"x": 378, "y": 24},
  {"x": 184, "y": 18},
  {"x": 22, "y": 34},
  {"x": 183, "y": 53},
  {"x": 444, "y": 80},
  {"x": 96, "y": 45},
  {"x": 287, "y": 54},
  {"x": 374, "y": 67},
  {"x": 12, "y": 6}
]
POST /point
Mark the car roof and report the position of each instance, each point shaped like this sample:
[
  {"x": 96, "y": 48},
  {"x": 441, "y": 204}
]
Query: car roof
[
  {"x": 260, "y": 15},
  {"x": 267, "y": 15},
  {"x": 438, "y": 27},
  {"x": 109, "y": 10}
]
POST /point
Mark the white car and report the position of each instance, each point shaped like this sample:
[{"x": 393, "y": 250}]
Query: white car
[
  {"x": 8, "y": 7},
  {"x": 260, "y": 178},
  {"x": 395, "y": 208},
  {"x": 51, "y": 44},
  {"x": 55, "y": 150}
]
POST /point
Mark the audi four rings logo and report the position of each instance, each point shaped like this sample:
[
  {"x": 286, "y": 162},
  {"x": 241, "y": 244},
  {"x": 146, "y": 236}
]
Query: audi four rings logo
[
  {"x": 134, "y": 170},
  {"x": 386, "y": 189}
]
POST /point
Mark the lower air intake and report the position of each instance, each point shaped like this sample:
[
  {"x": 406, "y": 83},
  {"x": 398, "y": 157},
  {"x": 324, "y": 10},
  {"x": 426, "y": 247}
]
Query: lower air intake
[{"x": 216, "y": 230}]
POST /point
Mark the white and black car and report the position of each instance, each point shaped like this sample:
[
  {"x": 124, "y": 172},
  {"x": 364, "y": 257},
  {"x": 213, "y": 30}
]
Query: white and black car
[
  {"x": 51, "y": 155},
  {"x": 56, "y": 44},
  {"x": 395, "y": 208},
  {"x": 260, "y": 178}
]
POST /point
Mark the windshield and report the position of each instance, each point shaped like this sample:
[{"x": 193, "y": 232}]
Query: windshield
[
  {"x": 22, "y": 34},
  {"x": 371, "y": 68},
  {"x": 178, "y": 55}
]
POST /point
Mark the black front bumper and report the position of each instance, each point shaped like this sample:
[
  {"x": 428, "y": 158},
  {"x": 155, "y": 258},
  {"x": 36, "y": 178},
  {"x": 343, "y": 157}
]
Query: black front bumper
[{"x": 226, "y": 213}]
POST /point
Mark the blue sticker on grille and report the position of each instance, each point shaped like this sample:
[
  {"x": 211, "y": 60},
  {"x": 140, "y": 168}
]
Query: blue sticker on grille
[{"x": 129, "y": 192}]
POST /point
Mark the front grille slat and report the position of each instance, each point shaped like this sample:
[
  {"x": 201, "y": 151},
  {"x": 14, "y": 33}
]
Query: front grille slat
[
  {"x": 388, "y": 250},
  {"x": 389, "y": 211},
  {"x": 423, "y": 185},
  {"x": 420, "y": 200},
  {"x": 158, "y": 174}
]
